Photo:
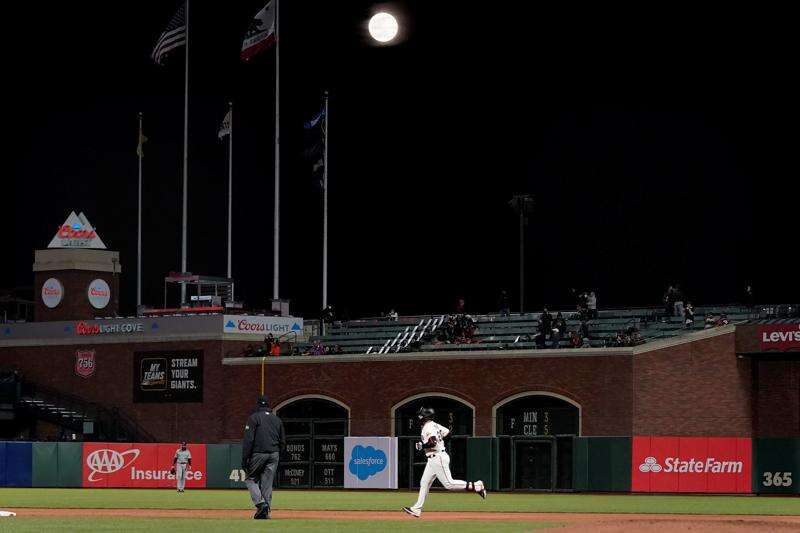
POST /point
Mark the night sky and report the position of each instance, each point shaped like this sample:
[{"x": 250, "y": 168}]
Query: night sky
[{"x": 660, "y": 146}]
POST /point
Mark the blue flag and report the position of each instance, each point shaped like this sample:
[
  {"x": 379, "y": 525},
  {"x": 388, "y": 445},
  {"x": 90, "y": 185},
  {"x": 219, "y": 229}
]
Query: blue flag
[{"x": 311, "y": 124}]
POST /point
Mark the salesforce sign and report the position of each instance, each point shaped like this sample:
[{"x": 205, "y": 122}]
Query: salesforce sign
[{"x": 370, "y": 463}]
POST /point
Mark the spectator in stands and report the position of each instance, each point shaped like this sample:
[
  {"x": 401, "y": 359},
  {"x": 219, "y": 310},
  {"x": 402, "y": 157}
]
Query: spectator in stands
[
  {"x": 461, "y": 306},
  {"x": 393, "y": 316},
  {"x": 669, "y": 303},
  {"x": 591, "y": 304},
  {"x": 585, "y": 329},
  {"x": 275, "y": 349},
  {"x": 749, "y": 297},
  {"x": 559, "y": 329},
  {"x": 546, "y": 323},
  {"x": 575, "y": 340},
  {"x": 581, "y": 303},
  {"x": 678, "y": 297},
  {"x": 688, "y": 316},
  {"x": 503, "y": 304},
  {"x": 328, "y": 315},
  {"x": 269, "y": 340},
  {"x": 317, "y": 348},
  {"x": 338, "y": 349}
]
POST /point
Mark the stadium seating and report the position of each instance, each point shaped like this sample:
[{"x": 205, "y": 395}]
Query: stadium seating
[{"x": 494, "y": 332}]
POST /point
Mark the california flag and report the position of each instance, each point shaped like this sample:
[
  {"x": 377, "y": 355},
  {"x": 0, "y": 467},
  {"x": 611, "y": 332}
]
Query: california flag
[{"x": 261, "y": 32}]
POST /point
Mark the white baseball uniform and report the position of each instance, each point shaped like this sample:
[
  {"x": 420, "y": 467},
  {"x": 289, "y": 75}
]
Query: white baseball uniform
[
  {"x": 438, "y": 466},
  {"x": 182, "y": 458}
]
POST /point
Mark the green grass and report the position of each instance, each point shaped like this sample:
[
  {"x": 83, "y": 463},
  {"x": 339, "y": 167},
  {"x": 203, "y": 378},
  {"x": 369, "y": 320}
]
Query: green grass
[
  {"x": 393, "y": 501},
  {"x": 196, "y": 525}
]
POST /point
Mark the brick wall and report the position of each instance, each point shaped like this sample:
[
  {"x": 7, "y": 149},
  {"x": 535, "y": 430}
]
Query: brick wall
[
  {"x": 600, "y": 384},
  {"x": 75, "y": 304},
  {"x": 699, "y": 388},
  {"x": 777, "y": 397},
  {"x": 112, "y": 384}
]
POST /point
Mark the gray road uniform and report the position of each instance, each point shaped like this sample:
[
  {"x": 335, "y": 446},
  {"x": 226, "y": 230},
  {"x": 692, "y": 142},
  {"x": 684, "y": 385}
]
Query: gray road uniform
[{"x": 182, "y": 461}]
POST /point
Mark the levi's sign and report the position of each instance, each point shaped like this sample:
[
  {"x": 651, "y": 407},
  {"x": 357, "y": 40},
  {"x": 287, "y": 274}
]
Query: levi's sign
[
  {"x": 262, "y": 325},
  {"x": 782, "y": 337}
]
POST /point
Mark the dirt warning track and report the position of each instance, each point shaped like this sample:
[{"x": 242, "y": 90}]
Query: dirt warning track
[{"x": 600, "y": 523}]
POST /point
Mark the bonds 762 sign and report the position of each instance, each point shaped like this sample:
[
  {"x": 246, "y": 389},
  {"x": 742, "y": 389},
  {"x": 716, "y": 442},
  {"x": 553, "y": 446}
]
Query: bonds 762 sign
[{"x": 168, "y": 376}]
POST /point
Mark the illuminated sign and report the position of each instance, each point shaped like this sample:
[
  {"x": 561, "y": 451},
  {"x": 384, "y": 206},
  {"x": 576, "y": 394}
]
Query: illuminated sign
[
  {"x": 76, "y": 232},
  {"x": 52, "y": 292},
  {"x": 99, "y": 293}
]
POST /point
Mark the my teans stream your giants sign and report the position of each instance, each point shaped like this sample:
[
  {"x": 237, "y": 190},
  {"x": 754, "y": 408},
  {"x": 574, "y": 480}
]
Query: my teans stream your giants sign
[
  {"x": 76, "y": 232},
  {"x": 161, "y": 377}
]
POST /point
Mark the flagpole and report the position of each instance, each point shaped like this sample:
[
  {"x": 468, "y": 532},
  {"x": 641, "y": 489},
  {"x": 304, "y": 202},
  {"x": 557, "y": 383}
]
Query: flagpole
[
  {"x": 325, "y": 211},
  {"x": 230, "y": 186},
  {"x": 139, "y": 228},
  {"x": 277, "y": 220},
  {"x": 185, "y": 155}
]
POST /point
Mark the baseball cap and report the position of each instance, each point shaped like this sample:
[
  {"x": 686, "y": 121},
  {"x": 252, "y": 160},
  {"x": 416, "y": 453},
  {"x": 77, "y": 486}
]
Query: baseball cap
[{"x": 262, "y": 400}]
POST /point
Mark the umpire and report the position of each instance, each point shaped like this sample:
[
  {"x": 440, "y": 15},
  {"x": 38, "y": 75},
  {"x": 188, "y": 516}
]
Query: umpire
[{"x": 263, "y": 441}]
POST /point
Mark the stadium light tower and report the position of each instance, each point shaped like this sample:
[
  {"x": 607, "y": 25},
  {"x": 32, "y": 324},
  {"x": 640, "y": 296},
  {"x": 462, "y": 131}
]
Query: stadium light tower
[{"x": 523, "y": 206}]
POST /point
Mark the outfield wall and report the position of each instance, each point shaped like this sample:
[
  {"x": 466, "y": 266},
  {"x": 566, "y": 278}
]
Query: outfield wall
[{"x": 654, "y": 464}]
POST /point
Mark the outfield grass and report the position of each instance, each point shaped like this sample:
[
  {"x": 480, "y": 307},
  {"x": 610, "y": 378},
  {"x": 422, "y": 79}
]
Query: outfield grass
[
  {"x": 196, "y": 525},
  {"x": 393, "y": 501}
]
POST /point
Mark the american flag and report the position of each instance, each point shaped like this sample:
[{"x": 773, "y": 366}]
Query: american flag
[{"x": 173, "y": 37}]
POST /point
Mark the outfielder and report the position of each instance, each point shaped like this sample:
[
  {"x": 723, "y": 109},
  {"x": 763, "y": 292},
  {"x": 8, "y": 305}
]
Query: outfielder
[
  {"x": 180, "y": 464},
  {"x": 438, "y": 466}
]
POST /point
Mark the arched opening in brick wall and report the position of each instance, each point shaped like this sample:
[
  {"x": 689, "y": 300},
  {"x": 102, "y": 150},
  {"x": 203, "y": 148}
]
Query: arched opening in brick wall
[
  {"x": 535, "y": 432},
  {"x": 315, "y": 429},
  {"x": 452, "y": 412}
]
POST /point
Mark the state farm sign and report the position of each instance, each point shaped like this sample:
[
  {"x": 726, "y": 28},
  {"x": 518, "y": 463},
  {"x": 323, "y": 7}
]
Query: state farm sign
[
  {"x": 139, "y": 465},
  {"x": 262, "y": 325},
  {"x": 691, "y": 464},
  {"x": 781, "y": 337}
]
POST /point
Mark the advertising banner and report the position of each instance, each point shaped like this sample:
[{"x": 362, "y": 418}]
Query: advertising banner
[
  {"x": 691, "y": 464},
  {"x": 139, "y": 465},
  {"x": 782, "y": 337},
  {"x": 262, "y": 325},
  {"x": 168, "y": 376},
  {"x": 370, "y": 462}
]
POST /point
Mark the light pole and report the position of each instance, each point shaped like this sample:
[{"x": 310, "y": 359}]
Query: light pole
[{"x": 523, "y": 206}]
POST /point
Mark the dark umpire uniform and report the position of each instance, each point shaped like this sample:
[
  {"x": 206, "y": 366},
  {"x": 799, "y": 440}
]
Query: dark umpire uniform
[{"x": 263, "y": 441}]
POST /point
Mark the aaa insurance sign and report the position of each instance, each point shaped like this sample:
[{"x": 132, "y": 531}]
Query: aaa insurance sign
[
  {"x": 782, "y": 337},
  {"x": 139, "y": 465},
  {"x": 262, "y": 325},
  {"x": 691, "y": 464}
]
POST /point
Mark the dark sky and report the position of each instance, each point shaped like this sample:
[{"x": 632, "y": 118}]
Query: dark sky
[{"x": 660, "y": 146}]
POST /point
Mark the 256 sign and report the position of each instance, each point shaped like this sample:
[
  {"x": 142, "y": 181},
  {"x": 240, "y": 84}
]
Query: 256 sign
[{"x": 777, "y": 479}]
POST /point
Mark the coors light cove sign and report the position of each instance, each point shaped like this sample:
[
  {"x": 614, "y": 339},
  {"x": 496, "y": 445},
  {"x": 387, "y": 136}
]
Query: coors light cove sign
[{"x": 76, "y": 232}]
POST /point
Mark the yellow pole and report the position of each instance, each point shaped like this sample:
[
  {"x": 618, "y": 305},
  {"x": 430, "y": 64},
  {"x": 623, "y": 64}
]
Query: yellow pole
[{"x": 262, "y": 376}]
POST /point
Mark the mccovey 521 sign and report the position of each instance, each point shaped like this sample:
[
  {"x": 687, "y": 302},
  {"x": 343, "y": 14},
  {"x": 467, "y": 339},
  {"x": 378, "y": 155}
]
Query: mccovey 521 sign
[
  {"x": 782, "y": 337},
  {"x": 691, "y": 464}
]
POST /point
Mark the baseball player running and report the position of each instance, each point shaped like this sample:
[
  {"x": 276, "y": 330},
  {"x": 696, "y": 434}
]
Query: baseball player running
[
  {"x": 180, "y": 464},
  {"x": 438, "y": 466}
]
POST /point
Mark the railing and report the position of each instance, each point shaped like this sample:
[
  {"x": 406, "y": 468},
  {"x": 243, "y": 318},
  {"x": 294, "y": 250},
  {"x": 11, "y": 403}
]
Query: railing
[{"x": 110, "y": 420}]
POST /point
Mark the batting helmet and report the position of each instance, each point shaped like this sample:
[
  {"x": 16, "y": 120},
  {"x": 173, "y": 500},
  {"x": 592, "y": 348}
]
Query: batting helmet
[{"x": 425, "y": 412}]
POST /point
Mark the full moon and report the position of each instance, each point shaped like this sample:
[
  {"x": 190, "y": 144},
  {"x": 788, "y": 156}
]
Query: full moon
[{"x": 383, "y": 27}]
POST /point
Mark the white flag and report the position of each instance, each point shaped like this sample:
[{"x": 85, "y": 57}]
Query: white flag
[
  {"x": 261, "y": 32},
  {"x": 225, "y": 129}
]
